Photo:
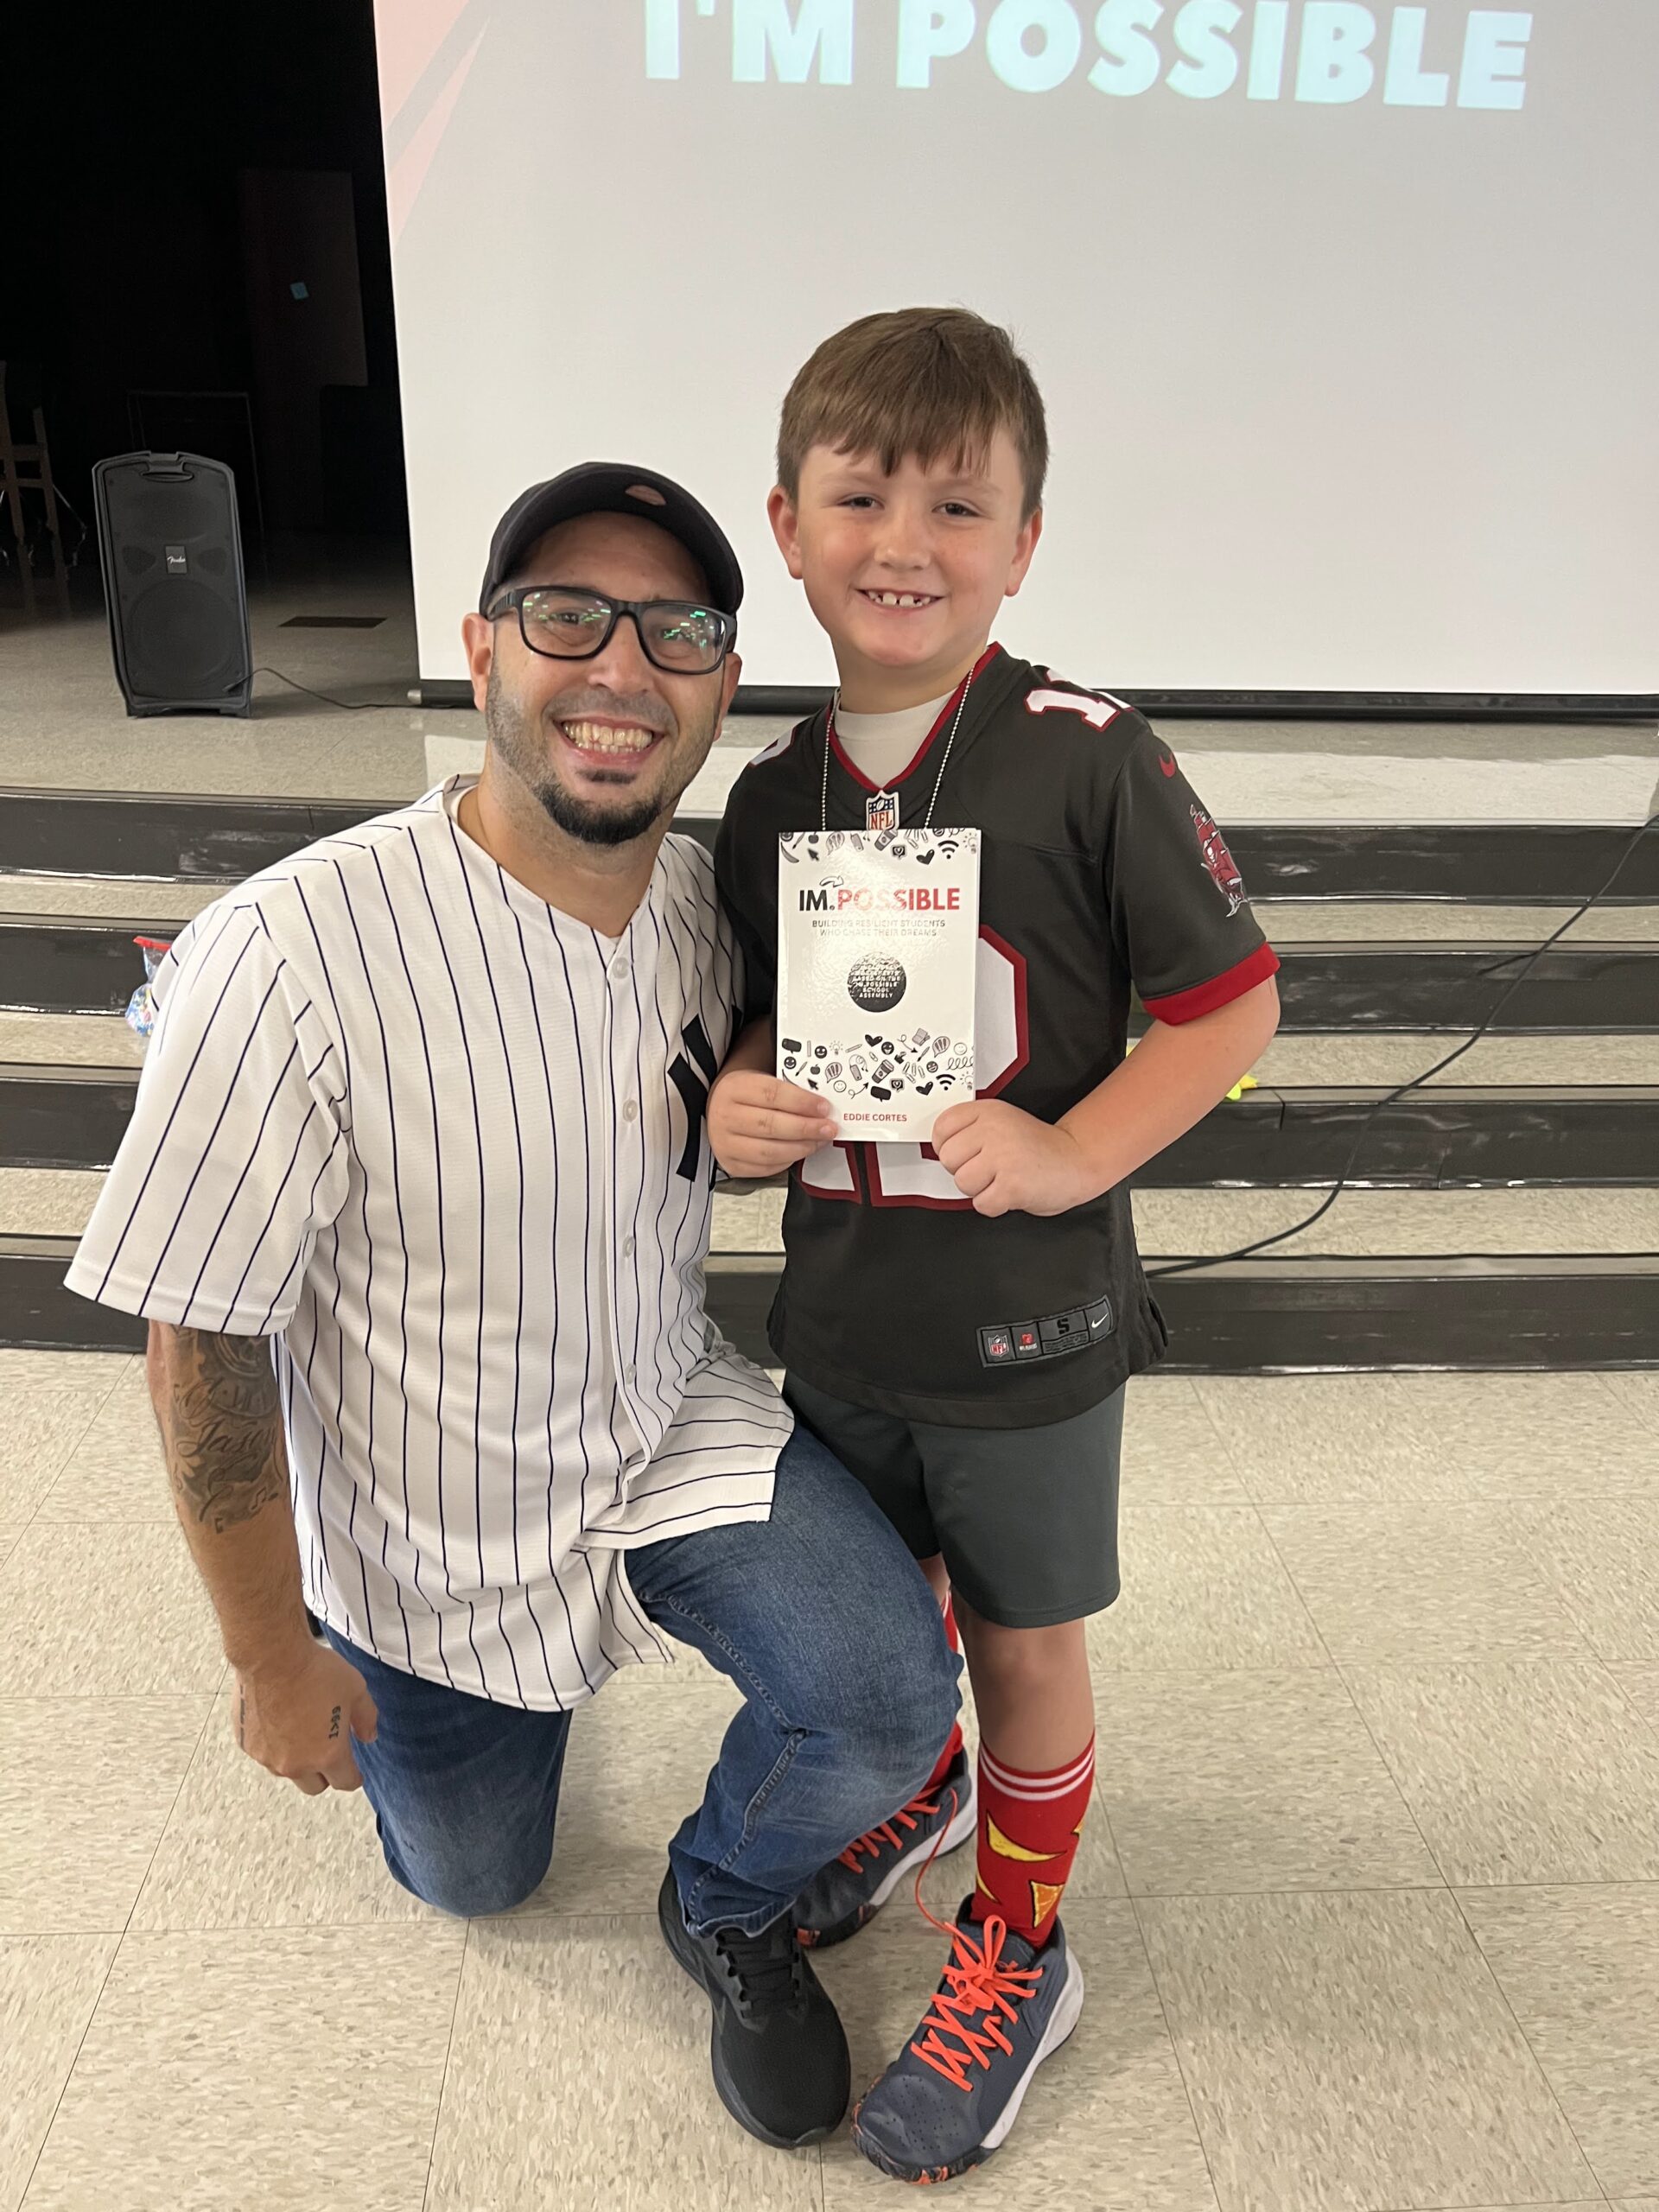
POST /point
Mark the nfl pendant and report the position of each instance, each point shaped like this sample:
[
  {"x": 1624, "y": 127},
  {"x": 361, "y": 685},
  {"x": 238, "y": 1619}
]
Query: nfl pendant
[{"x": 881, "y": 811}]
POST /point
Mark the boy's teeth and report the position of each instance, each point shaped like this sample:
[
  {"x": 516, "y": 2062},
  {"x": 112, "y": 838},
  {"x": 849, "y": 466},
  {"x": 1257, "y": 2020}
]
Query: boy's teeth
[
  {"x": 901, "y": 598},
  {"x": 601, "y": 737}
]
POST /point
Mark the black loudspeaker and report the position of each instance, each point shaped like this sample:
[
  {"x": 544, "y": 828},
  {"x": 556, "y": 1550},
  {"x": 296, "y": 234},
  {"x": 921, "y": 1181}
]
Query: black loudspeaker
[{"x": 173, "y": 583}]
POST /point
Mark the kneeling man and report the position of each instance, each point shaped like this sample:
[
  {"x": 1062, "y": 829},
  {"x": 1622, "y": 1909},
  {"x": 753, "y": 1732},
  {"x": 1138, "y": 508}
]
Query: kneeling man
[{"x": 415, "y": 1197}]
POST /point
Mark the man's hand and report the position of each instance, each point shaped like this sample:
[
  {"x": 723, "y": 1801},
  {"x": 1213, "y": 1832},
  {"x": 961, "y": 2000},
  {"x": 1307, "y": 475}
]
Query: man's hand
[
  {"x": 759, "y": 1124},
  {"x": 1009, "y": 1162},
  {"x": 297, "y": 1719}
]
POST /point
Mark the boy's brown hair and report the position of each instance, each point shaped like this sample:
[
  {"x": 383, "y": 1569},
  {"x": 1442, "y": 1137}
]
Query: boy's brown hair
[{"x": 926, "y": 381}]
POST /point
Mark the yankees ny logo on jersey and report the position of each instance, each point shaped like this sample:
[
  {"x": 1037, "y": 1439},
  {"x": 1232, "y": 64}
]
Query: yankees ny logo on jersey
[{"x": 694, "y": 1083}]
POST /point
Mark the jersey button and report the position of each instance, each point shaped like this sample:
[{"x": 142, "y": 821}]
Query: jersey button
[
  {"x": 627, "y": 1248},
  {"x": 619, "y": 969},
  {"x": 630, "y": 1111}
]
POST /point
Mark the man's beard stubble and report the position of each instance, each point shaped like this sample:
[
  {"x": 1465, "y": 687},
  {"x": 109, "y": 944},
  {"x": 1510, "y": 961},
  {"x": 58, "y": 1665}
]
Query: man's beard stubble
[{"x": 519, "y": 743}]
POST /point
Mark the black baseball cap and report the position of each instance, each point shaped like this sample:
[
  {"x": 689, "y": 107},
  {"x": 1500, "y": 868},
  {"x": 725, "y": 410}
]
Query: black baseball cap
[{"x": 608, "y": 487}]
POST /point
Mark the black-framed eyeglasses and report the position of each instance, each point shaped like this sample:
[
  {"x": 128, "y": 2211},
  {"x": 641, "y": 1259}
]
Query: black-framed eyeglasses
[{"x": 677, "y": 636}]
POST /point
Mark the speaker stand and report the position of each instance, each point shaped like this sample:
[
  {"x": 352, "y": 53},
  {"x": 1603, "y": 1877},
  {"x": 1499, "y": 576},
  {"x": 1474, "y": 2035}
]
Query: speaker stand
[{"x": 28, "y": 468}]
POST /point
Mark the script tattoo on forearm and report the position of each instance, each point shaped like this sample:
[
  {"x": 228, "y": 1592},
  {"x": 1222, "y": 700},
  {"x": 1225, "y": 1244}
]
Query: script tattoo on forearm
[{"x": 225, "y": 1428}]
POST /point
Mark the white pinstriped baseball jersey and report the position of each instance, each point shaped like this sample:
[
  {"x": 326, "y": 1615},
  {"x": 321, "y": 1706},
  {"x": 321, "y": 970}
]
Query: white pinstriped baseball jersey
[{"x": 445, "y": 1146}]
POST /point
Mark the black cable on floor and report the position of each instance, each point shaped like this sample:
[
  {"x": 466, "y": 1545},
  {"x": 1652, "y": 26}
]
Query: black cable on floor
[
  {"x": 1283, "y": 1236},
  {"x": 1427, "y": 1258},
  {"x": 345, "y": 706}
]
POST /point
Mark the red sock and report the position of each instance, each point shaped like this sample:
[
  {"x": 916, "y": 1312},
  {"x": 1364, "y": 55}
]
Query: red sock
[
  {"x": 1028, "y": 1829},
  {"x": 953, "y": 1741}
]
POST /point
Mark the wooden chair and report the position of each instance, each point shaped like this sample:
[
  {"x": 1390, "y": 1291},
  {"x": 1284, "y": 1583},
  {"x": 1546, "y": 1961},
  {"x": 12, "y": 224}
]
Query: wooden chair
[{"x": 28, "y": 468}]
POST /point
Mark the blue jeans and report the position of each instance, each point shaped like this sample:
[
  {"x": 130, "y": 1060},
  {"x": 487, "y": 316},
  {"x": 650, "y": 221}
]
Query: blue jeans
[{"x": 823, "y": 1621}]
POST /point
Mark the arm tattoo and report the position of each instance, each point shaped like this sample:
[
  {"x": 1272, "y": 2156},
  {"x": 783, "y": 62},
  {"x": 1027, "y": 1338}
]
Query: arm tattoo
[{"x": 224, "y": 1426}]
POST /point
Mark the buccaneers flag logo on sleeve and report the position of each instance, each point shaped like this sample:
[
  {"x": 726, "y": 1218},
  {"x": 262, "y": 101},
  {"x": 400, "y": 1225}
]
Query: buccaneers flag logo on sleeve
[{"x": 1219, "y": 863}]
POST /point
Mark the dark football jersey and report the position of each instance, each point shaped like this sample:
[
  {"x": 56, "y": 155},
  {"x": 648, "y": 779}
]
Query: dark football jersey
[{"x": 1099, "y": 869}]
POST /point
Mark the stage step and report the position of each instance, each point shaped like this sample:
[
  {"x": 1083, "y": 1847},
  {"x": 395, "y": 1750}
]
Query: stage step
[
  {"x": 87, "y": 963},
  {"x": 58, "y": 1116},
  {"x": 207, "y": 838},
  {"x": 1261, "y": 1316},
  {"x": 1286, "y": 921},
  {"x": 1171, "y": 1223},
  {"x": 1313, "y": 1061}
]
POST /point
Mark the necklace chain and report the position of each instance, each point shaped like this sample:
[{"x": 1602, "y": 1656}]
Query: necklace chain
[{"x": 945, "y": 758}]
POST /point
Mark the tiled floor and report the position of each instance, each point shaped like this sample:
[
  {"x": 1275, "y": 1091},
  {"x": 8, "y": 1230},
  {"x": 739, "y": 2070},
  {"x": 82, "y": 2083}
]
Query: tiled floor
[{"x": 1369, "y": 1903}]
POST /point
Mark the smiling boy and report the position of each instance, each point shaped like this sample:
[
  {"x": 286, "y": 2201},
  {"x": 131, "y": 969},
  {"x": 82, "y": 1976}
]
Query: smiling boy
[{"x": 959, "y": 1319}]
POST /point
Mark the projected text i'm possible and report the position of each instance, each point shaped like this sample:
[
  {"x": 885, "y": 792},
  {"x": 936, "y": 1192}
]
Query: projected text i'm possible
[{"x": 1327, "y": 52}]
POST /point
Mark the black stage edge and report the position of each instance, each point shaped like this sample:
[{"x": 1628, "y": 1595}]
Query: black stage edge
[
  {"x": 1583, "y": 1135},
  {"x": 35, "y": 1308},
  {"x": 1432, "y": 1139},
  {"x": 1572, "y": 988},
  {"x": 214, "y": 840},
  {"x": 161, "y": 838},
  {"x": 63, "y": 1117},
  {"x": 1499, "y": 864},
  {"x": 1255, "y": 1317},
  {"x": 57, "y": 963},
  {"x": 66, "y": 964},
  {"x": 1268, "y": 1316},
  {"x": 1276, "y": 1316},
  {"x": 798, "y": 699}
]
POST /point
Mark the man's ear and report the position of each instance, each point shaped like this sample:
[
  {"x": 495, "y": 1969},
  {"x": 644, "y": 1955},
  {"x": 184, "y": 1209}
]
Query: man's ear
[
  {"x": 785, "y": 518},
  {"x": 731, "y": 675},
  {"x": 478, "y": 637},
  {"x": 1024, "y": 547}
]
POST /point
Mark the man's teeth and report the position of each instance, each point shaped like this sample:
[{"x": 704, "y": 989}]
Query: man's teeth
[
  {"x": 605, "y": 737},
  {"x": 900, "y": 598}
]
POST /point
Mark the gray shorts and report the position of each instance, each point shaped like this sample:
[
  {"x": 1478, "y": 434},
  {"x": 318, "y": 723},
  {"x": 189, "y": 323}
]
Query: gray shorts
[{"x": 1026, "y": 1519}]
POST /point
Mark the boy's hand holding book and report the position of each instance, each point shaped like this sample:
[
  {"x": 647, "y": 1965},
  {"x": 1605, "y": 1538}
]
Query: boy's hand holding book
[
  {"x": 1008, "y": 1162},
  {"x": 759, "y": 1125}
]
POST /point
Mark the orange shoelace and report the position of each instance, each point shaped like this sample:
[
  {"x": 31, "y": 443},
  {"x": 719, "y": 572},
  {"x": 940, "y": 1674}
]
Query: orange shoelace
[
  {"x": 873, "y": 1841},
  {"x": 980, "y": 1988}
]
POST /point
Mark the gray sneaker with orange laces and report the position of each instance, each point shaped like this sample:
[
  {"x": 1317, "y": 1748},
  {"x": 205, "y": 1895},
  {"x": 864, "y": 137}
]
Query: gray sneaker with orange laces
[
  {"x": 854, "y": 1886},
  {"x": 949, "y": 2099}
]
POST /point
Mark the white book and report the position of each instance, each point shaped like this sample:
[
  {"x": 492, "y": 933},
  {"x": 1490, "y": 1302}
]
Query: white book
[{"x": 878, "y": 935}]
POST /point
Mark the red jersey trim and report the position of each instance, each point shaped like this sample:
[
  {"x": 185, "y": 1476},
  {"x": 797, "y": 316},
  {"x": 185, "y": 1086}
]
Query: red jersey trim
[
  {"x": 1016, "y": 961},
  {"x": 881, "y": 1197},
  {"x": 1219, "y": 991},
  {"x": 946, "y": 711},
  {"x": 854, "y": 1197}
]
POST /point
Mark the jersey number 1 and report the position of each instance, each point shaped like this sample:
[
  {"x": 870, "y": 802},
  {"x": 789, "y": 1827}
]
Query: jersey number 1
[{"x": 1096, "y": 709}]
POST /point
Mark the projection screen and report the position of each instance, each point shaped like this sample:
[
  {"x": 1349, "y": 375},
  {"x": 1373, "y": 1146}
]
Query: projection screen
[{"x": 1347, "y": 316}]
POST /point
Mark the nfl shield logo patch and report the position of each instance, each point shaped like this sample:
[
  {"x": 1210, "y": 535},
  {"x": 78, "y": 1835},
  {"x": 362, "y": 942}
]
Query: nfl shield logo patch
[{"x": 881, "y": 811}]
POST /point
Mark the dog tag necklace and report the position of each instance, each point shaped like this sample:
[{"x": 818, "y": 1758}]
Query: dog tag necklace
[{"x": 882, "y": 808}]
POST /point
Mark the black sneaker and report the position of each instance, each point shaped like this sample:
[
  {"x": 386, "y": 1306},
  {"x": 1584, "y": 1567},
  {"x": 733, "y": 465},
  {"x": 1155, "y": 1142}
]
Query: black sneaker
[
  {"x": 854, "y": 1887},
  {"x": 779, "y": 2054}
]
